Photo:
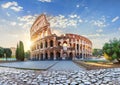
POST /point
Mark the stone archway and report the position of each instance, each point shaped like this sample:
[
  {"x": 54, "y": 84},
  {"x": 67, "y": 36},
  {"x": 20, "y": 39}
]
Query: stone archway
[
  {"x": 41, "y": 58},
  {"x": 46, "y": 56},
  {"x": 37, "y": 56},
  {"x": 51, "y": 56},
  {"x": 46, "y": 44},
  {"x": 58, "y": 56},
  {"x": 80, "y": 55},
  {"x": 51, "y": 43},
  {"x": 70, "y": 56}
]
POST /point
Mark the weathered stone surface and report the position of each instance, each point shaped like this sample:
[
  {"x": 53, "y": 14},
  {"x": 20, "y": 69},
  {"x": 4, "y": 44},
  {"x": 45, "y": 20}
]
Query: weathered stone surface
[{"x": 11, "y": 76}]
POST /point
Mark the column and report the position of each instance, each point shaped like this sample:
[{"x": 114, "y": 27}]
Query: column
[
  {"x": 54, "y": 54},
  {"x": 54, "y": 42},
  {"x": 48, "y": 54},
  {"x": 61, "y": 53},
  {"x": 43, "y": 55}
]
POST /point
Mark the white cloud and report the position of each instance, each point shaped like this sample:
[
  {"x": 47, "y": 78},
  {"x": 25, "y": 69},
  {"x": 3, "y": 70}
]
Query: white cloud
[
  {"x": 45, "y": 0},
  {"x": 9, "y": 4},
  {"x": 13, "y": 23},
  {"x": 26, "y": 21},
  {"x": 12, "y": 5},
  {"x": 77, "y": 5},
  {"x": 99, "y": 30},
  {"x": 115, "y": 19},
  {"x": 99, "y": 23},
  {"x": 80, "y": 20},
  {"x": 61, "y": 21},
  {"x": 17, "y": 9},
  {"x": 73, "y": 16},
  {"x": 94, "y": 35}
]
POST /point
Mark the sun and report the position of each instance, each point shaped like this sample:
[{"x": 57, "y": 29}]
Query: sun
[{"x": 28, "y": 45}]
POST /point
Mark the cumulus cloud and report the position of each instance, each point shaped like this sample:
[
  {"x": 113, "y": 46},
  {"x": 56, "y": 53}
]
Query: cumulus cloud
[
  {"x": 62, "y": 21},
  {"x": 17, "y": 9},
  {"x": 9, "y": 4},
  {"x": 12, "y": 5},
  {"x": 26, "y": 21},
  {"x": 98, "y": 23},
  {"x": 45, "y": 0},
  {"x": 115, "y": 19},
  {"x": 99, "y": 30}
]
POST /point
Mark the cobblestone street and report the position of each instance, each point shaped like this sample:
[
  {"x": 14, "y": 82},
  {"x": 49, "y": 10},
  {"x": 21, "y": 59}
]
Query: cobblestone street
[{"x": 61, "y": 73}]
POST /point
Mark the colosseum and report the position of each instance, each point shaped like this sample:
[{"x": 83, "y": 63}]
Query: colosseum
[{"x": 49, "y": 46}]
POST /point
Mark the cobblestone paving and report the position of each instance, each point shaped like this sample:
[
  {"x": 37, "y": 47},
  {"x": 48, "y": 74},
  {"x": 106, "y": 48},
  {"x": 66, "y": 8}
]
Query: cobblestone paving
[
  {"x": 11, "y": 76},
  {"x": 61, "y": 73}
]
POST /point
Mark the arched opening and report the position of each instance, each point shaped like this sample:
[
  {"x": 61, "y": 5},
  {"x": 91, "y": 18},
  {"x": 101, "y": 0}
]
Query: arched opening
[
  {"x": 58, "y": 56},
  {"x": 51, "y": 56},
  {"x": 41, "y": 57},
  {"x": 37, "y": 56},
  {"x": 46, "y": 44},
  {"x": 84, "y": 56},
  {"x": 77, "y": 46},
  {"x": 59, "y": 43},
  {"x": 77, "y": 56},
  {"x": 51, "y": 43},
  {"x": 41, "y": 45},
  {"x": 80, "y": 55},
  {"x": 65, "y": 45},
  {"x": 46, "y": 56},
  {"x": 37, "y": 46},
  {"x": 70, "y": 56}
]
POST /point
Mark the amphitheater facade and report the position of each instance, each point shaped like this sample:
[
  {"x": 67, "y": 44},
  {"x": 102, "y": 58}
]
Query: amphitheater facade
[{"x": 49, "y": 46}]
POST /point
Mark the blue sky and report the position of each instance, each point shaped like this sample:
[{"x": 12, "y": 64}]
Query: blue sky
[{"x": 98, "y": 20}]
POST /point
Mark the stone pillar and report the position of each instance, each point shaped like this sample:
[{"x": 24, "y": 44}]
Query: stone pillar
[
  {"x": 43, "y": 44},
  {"x": 82, "y": 50},
  {"x": 43, "y": 55},
  {"x": 54, "y": 42},
  {"x": 48, "y": 54},
  {"x": 73, "y": 55},
  {"x": 61, "y": 53},
  {"x": 54, "y": 54},
  {"x": 48, "y": 41}
]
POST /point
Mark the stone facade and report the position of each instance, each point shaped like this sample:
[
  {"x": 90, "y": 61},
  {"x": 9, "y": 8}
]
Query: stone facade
[{"x": 48, "y": 46}]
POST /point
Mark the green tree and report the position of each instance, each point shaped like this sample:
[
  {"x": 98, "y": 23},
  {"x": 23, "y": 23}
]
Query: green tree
[
  {"x": 17, "y": 53},
  {"x": 97, "y": 52},
  {"x": 21, "y": 51},
  {"x": 112, "y": 49},
  {"x": 20, "y": 54},
  {"x": 1, "y": 52},
  {"x": 7, "y": 52},
  {"x": 27, "y": 54}
]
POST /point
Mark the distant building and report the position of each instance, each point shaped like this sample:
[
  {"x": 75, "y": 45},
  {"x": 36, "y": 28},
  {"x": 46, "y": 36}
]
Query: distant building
[
  {"x": 48, "y": 46},
  {"x": 13, "y": 49}
]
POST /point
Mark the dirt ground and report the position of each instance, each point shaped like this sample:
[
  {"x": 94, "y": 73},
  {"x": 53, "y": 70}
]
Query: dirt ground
[{"x": 96, "y": 65}]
